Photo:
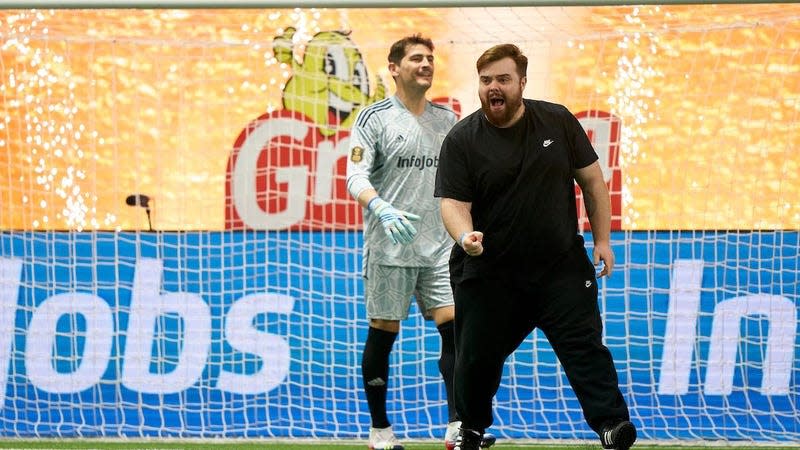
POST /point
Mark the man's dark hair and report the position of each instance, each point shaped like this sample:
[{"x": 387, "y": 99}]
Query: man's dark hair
[
  {"x": 398, "y": 49},
  {"x": 501, "y": 51}
]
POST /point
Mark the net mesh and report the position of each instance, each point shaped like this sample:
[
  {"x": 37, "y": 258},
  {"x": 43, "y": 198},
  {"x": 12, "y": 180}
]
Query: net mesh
[{"x": 240, "y": 315}]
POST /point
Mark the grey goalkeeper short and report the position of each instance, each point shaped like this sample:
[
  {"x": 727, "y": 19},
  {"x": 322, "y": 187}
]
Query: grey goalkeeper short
[{"x": 390, "y": 289}]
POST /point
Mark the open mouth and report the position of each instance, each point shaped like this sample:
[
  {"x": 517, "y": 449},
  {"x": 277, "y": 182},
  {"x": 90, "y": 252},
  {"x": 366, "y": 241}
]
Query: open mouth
[{"x": 497, "y": 102}]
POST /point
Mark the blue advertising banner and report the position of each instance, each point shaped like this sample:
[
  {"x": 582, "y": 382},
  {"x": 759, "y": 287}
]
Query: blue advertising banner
[{"x": 259, "y": 334}]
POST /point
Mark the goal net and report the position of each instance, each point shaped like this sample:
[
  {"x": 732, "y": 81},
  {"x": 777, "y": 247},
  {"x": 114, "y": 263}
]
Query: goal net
[{"x": 179, "y": 256}]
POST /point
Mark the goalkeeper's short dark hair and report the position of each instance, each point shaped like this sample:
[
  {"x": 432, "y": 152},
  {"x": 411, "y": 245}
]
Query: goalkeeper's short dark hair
[{"x": 398, "y": 49}]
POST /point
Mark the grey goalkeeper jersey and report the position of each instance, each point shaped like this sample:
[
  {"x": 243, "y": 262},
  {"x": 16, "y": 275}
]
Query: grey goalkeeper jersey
[{"x": 398, "y": 153}]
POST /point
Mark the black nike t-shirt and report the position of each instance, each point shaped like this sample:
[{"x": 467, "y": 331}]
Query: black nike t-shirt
[{"x": 521, "y": 183}]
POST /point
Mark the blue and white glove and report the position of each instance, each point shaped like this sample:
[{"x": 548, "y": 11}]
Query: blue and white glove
[{"x": 396, "y": 223}]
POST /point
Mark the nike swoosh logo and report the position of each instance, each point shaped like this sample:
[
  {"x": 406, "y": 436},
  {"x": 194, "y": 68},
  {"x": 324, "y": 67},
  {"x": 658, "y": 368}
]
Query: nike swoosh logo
[{"x": 547, "y": 143}]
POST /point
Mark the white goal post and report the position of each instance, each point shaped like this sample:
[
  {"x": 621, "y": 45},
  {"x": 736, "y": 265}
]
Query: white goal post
[{"x": 179, "y": 257}]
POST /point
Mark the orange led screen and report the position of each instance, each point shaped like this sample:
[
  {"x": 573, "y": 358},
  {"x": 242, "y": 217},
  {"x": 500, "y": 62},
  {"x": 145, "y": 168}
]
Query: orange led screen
[{"x": 99, "y": 105}]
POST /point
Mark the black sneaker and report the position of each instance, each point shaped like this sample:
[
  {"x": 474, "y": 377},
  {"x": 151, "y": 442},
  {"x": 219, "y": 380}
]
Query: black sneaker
[
  {"x": 618, "y": 437},
  {"x": 468, "y": 440},
  {"x": 488, "y": 440},
  {"x": 451, "y": 435}
]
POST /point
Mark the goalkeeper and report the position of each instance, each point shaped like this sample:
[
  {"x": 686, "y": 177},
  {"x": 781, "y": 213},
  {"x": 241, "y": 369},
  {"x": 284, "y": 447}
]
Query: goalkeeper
[
  {"x": 507, "y": 177},
  {"x": 394, "y": 150}
]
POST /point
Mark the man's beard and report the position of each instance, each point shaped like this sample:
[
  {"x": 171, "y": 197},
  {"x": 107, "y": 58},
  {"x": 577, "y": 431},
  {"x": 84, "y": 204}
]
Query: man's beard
[{"x": 504, "y": 117}]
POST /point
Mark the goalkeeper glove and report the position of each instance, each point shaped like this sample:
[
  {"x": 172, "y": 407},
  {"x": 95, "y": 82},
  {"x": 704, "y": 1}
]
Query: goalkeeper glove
[{"x": 396, "y": 223}]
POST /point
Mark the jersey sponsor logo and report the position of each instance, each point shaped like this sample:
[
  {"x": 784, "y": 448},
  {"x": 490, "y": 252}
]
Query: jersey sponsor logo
[
  {"x": 356, "y": 154},
  {"x": 417, "y": 162}
]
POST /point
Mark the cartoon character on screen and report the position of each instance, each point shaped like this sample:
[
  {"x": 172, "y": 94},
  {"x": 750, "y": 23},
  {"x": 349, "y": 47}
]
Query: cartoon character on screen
[
  {"x": 331, "y": 84},
  {"x": 287, "y": 167}
]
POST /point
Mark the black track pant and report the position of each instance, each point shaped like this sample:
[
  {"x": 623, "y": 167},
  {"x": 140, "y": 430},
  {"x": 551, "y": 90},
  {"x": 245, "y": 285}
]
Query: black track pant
[{"x": 497, "y": 311}]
